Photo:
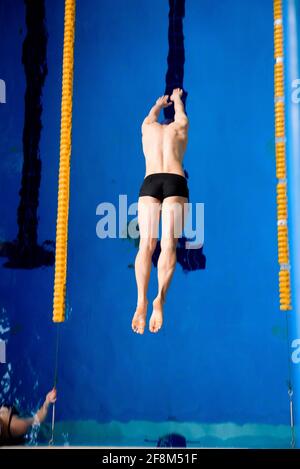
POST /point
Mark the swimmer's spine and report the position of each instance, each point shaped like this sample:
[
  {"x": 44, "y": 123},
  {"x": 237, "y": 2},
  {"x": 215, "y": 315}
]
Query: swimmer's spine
[
  {"x": 282, "y": 202},
  {"x": 60, "y": 274}
]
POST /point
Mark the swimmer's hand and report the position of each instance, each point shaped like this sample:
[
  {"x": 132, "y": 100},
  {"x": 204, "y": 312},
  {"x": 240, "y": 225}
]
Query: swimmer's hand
[
  {"x": 177, "y": 93},
  {"x": 162, "y": 101},
  {"x": 51, "y": 397},
  {"x": 41, "y": 414}
]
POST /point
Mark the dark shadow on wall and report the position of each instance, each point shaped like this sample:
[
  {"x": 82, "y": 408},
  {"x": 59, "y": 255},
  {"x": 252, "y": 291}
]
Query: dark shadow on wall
[
  {"x": 24, "y": 251},
  {"x": 176, "y": 54},
  {"x": 189, "y": 259}
]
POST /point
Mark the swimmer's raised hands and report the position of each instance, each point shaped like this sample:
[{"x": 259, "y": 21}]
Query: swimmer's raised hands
[
  {"x": 162, "y": 101},
  {"x": 177, "y": 93}
]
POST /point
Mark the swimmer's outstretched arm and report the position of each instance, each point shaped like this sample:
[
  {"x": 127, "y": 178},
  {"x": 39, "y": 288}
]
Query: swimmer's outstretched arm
[
  {"x": 180, "y": 115},
  {"x": 153, "y": 115},
  {"x": 20, "y": 426}
]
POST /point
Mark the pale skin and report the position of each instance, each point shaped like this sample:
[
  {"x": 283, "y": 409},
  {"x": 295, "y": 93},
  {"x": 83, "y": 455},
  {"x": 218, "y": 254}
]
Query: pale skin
[
  {"x": 164, "y": 146},
  {"x": 20, "y": 426}
]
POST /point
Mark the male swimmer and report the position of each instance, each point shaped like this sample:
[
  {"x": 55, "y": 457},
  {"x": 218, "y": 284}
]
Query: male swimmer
[{"x": 163, "y": 192}]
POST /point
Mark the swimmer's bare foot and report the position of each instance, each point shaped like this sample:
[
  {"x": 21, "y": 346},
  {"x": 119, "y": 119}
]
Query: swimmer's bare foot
[
  {"x": 156, "y": 319},
  {"x": 139, "y": 318}
]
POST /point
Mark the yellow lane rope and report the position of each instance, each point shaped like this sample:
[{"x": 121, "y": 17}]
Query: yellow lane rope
[
  {"x": 64, "y": 165},
  {"x": 282, "y": 202}
]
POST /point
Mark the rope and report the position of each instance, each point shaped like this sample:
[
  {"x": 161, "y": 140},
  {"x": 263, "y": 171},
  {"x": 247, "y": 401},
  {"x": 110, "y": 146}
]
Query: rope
[
  {"x": 51, "y": 442},
  {"x": 59, "y": 294},
  {"x": 282, "y": 199},
  {"x": 290, "y": 388},
  {"x": 282, "y": 203},
  {"x": 64, "y": 165}
]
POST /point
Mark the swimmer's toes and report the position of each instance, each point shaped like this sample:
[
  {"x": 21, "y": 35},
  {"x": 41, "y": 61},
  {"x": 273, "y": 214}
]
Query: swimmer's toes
[
  {"x": 155, "y": 323},
  {"x": 156, "y": 319},
  {"x": 138, "y": 323}
]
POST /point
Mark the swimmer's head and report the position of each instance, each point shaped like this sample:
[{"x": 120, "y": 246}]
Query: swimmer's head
[{"x": 6, "y": 438}]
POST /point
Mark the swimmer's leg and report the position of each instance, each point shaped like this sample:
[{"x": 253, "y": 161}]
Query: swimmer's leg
[
  {"x": 173, "y": 216},
  {"x": 148, "y": 220}
]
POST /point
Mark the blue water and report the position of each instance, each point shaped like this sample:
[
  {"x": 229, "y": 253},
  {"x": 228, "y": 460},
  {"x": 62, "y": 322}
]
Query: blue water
[{"x": 217, "y": 372}]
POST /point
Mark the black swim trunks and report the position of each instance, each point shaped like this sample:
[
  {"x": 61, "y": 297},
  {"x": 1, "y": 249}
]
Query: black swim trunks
[{"x": 162, "y": 185}]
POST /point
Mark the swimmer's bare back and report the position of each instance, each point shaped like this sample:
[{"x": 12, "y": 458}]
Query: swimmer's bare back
[{"x": 164, "y": 145}]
